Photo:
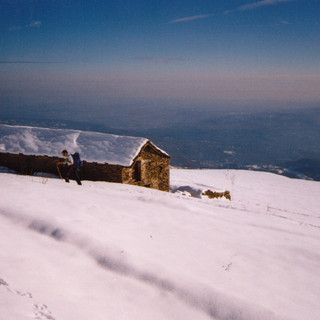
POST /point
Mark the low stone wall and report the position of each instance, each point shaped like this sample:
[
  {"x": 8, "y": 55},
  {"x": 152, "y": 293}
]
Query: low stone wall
[
  {"x": 29, "y": 165},
  {"x": 214, "y": 195}
]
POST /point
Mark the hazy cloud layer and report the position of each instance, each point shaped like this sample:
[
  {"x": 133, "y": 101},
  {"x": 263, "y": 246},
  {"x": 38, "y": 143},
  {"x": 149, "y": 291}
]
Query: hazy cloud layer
[
  {"x": 34, "y": 24},
  {"x": 257, "y": 4},
  {"x": 262, "y": 3},
  {"x": 91, "y": 88},
  {"x": 192, "y": 18},
  {"x": 158, "y": 59},
  {"x": 25, "y": 62}
]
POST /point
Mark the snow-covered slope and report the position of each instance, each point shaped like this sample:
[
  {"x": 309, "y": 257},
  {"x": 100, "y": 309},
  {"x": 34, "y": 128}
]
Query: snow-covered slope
[{"x": 112, "y": 251}]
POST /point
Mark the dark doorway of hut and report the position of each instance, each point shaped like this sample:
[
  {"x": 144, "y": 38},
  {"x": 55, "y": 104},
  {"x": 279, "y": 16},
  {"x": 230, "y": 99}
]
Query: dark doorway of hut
[{"x": 137, "y": 171}]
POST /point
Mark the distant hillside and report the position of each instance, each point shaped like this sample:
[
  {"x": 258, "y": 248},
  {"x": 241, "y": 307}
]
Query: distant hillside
[
  {"x": 205, "y": 138},
  {"x": 304, "y": 168}
]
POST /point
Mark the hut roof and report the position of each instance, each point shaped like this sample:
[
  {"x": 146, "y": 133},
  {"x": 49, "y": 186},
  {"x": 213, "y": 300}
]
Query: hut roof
[{"x": 92, "y": 146}]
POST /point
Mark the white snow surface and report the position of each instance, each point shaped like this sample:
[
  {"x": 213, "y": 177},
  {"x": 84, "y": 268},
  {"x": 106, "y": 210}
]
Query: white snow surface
[
  {"x": 111, "y": 251},
  {"x": 92, "y": 146}
]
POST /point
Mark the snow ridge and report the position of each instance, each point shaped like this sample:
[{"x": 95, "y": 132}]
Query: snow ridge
[{"x": 215, "y": 304}]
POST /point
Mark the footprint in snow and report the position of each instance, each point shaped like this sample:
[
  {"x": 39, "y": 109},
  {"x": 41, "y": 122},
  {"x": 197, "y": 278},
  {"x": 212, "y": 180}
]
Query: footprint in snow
[{"x": 41, "y": 312}]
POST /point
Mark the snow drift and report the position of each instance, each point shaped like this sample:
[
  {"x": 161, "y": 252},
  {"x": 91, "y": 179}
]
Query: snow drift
[{"x": 93, "y": 146}]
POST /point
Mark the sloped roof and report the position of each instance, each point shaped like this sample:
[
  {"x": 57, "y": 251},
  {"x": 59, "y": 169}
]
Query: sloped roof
[{"x": 92, "y": 146}]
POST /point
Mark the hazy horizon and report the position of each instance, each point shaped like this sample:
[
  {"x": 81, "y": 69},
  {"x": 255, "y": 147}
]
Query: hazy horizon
[{"x": 181, "y": 53}]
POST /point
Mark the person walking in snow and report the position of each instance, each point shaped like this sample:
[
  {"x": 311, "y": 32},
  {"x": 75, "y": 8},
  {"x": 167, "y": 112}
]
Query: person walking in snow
[{"x": 72, "y": 169}]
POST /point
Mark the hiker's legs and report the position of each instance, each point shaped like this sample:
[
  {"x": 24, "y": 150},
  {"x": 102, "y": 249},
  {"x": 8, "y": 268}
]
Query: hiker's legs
[
  {"x": 69, "y": 173},
  {"x": 73, "y": 172},
  {"x": 76, "y": 175}
]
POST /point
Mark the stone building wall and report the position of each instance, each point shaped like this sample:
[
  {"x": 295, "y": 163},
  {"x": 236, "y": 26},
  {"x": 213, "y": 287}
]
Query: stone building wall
[
  {"x": 150, "y": 169},
  {"x": 101, "y": 172}
]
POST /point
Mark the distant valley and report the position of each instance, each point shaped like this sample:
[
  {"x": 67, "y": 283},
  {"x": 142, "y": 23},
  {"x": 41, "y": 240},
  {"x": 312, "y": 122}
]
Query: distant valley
[{"x": 285, "y": 142}]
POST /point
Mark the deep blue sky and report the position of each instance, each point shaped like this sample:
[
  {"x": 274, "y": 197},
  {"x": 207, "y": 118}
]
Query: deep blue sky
[{"x": 99, "y": 52}]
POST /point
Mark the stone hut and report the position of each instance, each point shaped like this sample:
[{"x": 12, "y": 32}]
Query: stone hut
[{"x": 105, "y": 157}]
